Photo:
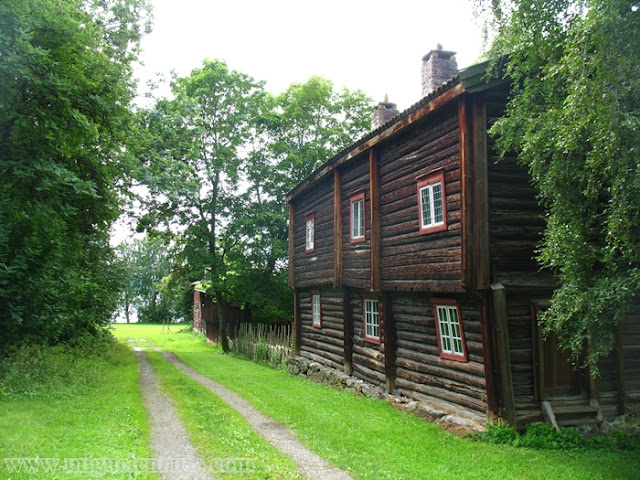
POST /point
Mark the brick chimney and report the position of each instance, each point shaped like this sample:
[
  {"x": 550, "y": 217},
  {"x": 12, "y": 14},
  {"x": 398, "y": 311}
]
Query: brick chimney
[
  {"x": 382, "y": 113},
  {"x": 438, "y": 67}
]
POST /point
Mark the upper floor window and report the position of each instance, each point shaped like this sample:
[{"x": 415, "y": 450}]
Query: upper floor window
[
  {"x": 316, "y": 310},
  {"x": 310, "y": 220},
  {"x": 357, "y": 218},
  {"x": 371, "y": 320},
  {"x": 432, "y": 203},
  {"x": 449, "y": 327}
]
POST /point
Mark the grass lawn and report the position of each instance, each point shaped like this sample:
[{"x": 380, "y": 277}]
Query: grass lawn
[
  {"x": 59, "y": 405},
  {"x": 371, "y": 439}
]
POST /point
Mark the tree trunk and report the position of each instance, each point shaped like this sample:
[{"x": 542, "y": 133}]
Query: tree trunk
[{"x": 223, "y": 337}]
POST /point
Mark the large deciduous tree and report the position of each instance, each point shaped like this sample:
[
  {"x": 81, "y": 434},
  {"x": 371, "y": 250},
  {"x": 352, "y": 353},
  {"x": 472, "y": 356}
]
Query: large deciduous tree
[
  {"x": 219, "y": 159},
  {"x": 573, "y": 119},
  {"x": 65, "y": 88}
]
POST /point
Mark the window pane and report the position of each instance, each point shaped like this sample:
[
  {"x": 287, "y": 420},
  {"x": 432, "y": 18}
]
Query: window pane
[
  {"x": 357, "y": 219},
  {"x": 310, "y": 234},
  {"x": 450, "y": 330},
  {"x": 426, "y": 206},
  {"x": 438, "y": 216}
]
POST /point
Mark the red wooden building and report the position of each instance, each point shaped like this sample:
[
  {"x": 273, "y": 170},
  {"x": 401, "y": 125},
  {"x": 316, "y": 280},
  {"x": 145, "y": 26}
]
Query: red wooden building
[{"x": 412, "y": 262}]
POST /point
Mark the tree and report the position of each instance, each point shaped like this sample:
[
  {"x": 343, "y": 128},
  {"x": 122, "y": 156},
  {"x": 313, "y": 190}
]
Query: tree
[
  {"x": 573, "y": 119},
  {"x": 219, "y": 159},
  {"x": 194, "y": 174},
  {"x": 151, "y": 280},
  {"x": 65, "y": 89}
]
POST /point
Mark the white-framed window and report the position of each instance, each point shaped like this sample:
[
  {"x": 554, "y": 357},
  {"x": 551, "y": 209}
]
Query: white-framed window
[
  {"x": 310, "y": 220},
  {"x": 371, "y": 320},
  {"x": 316, "y": 310},
  {"x": 450, "y": 332},
  {"x": 357, "y": 218},
  {"x": 432, "y": 203}
]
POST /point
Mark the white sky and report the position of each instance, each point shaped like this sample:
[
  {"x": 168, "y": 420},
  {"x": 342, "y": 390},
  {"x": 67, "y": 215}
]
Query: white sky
[{"x": 370, "y": 45}]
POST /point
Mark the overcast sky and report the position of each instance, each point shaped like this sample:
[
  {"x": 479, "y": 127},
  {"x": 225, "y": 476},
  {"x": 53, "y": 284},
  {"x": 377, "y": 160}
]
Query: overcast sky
[{"x": 370, "y": 45}]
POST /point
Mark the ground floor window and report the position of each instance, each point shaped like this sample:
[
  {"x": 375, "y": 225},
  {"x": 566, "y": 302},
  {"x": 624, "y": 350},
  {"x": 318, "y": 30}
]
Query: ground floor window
[
  {"x": 316, "y": 307},
  {"x": 450, "y": 332},
  {"x": 371, "y": 320}
]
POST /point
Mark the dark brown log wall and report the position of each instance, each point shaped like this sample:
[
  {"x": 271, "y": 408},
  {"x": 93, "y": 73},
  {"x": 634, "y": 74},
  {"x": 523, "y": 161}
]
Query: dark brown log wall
[
  {"x": 356, "y": 256},
  {"x": 324, "y": 345},
  {"x": 516, "y": 221},
  {"x": 411, "y": 261},
  {"x": 630, "y": 339},
  {"x": 368, "y": 358},
  {"x": 421, "y": 371},
  {"x": 314, "y": 268}
]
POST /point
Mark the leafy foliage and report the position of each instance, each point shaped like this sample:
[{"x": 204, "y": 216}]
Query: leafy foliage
[
  {"x": 573, "y": 119},
  {"x": 218, "y": 160},
  {"x": 543, "y": 436},
  {"x": 65, "y": 87}
]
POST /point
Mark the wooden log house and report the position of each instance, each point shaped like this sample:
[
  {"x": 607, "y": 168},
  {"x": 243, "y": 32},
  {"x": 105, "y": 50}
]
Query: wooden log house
[{"x": 412, "y": 262}]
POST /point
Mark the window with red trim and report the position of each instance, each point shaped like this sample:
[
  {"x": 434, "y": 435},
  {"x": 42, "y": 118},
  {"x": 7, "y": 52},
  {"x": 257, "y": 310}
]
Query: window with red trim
[
  {"x": 316, "y": 310},
  {"x": 371, "y": 320},
  {"x": 310, "y": 232},
  {"x": 451, "y": 342},
  {"x": 357, "y": 218},
  {"x": 432, "y": 204}
]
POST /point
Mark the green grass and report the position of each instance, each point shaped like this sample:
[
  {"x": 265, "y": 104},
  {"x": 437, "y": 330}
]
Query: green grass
[
  {"x": 372, "y": 440},
  {"x": 72, "y": 403},
  {"x": 217, "y": 431}
]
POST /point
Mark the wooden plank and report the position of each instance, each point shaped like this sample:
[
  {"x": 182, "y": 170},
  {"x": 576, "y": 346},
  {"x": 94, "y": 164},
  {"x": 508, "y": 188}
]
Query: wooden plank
[
  {"x": 337, "y": 230},
  {"x": 621, "y": 387},
  {"x": 347, "y": 315},
  {"x": 292, "y": 246},
  {"x": 504, "y": 356},
  {"x": 376, "y": 237},
  {"x": 488, "y": 357},
  {"x": 481, "y": 190},
  {"x": 297, "y": 322},
  {"x": 390, "y": 344},
  {"x": 466, "y": 167}
]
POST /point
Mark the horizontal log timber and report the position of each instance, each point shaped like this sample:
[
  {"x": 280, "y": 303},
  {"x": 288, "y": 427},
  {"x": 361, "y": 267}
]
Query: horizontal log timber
[
  {"x": 369, "y": 352},
  {"x": 434, "y": 359},
  {"x": 367, "y": 374},
  {"x": 323, "y": 348},
  {"x": 442, "y": 372},
  {"x": 463, "y": 399},
  {"x": 441, "y": 286},
  {"x": 329, "y": 360}
]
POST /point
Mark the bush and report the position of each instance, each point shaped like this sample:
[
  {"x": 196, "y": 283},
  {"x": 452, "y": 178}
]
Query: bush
[
  {"x": 37, "y": 370},
  {"x": 543, "y": 436}
]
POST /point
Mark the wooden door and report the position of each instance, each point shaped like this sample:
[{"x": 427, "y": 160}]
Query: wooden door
[{"x": 556, "y": 377}]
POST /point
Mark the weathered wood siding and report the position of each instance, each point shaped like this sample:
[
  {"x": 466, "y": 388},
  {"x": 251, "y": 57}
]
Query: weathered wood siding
[
  {"x": 410, "y": 260},
  {"x": 368, "y": 358},
  {"x": 326, "y": 344},
  {"x": 421, "y": 371},
  {"x": 314, "y": 268},
  {"x": 356, "y": 257},
  {"x": 630, "y": 334}
]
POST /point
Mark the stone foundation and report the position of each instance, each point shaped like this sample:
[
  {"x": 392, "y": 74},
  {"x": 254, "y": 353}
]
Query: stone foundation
[{"x": 319, "y": 373}]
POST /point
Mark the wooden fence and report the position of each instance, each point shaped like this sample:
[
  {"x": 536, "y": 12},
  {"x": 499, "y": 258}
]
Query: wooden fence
[{"x": 264, "y": 343}]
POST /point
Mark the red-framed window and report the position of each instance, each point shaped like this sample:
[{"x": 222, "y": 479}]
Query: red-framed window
[
  {"x": 310, "y": 232},
  {"x": 316, "y": 310},
  {"x": 357, "y": 216},
  {"x": 450, "y": 332},
  {"x": 371, "y": 320},
  {"x": 432, "y": 203}
]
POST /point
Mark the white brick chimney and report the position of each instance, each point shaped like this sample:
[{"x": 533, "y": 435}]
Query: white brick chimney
[
  {"x": 382, "y": 113},
  {"x": 438, "y": 67}
]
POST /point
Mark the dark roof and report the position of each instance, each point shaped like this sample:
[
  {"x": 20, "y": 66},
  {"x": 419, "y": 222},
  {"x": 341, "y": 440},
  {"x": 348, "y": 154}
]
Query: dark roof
[{"x": 471, "y": 79}]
